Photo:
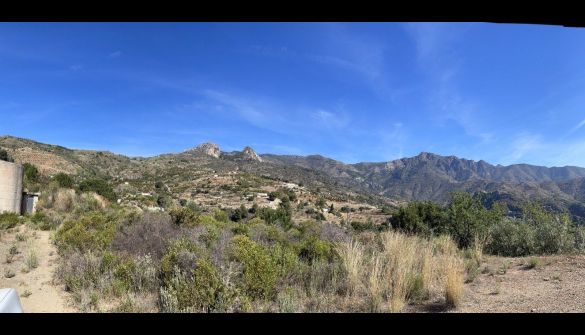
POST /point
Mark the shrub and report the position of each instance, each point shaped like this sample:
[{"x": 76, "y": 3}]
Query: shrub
[
  {"x": 4, "y": 156},
  {"x": 31, "y": 173},
  {"x": 425, "y": 218},
  {"x": 63, "y": 180},
  {"x": 164, "y": 200},
  {"x": 313, "y": 248},
  {"x": 93, "y": 231},
  {"x": 147, "y": 234},
  {"x": 9, "y": 220},
  {"x": 260, "y": 270},
  {"x": 468, "y": 219},
  {"x": 512, "y": 238},
  {"x": 184, "y": 216},
  {"x": 181, "y": 253},
  {"x": 220, "y": 216},
  {"x": 98, "y": 186}
]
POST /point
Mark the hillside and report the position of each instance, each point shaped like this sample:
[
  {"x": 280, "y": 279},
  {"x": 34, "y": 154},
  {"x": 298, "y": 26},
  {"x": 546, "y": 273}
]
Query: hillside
[{"x": 206, "y": 170}]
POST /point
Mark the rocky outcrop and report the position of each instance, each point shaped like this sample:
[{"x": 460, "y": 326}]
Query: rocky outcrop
[
  {"x": 250, "y": 154},
  {"x": 208, "y": 148}
]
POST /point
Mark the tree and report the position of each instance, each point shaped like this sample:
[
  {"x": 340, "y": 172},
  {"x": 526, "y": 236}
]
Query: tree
[
  {"x": 467, "y": 219},
  {"x": 424, "y": 217}
]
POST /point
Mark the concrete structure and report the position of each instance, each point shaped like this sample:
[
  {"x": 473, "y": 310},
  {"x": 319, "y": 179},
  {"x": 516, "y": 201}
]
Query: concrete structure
[
  {"x": 10, "y": 187},
  {"x": 29, "y": 203}
]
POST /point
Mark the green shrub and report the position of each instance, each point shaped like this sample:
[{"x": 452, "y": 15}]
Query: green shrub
[
  {"x": 31, "y": 173},
  {"x": 63, "y": 180},
  {"x": 313, "y": 249},
  {"x": 468, "y": 219},
  {"x": 511, "y": 238},
  {"x": 425, "y": 218},
  {"x": 260, "y": 270},
  {"x": 98, "y": 186},
  {"x": 220, "y": 216},
  {"x": 181, "y": 253},
  {"x": 93, "y": 231},
  {"x": 197, "y": 290},
  {"x": 9, "y": 220},
  {"x": 184, "y": 216}
]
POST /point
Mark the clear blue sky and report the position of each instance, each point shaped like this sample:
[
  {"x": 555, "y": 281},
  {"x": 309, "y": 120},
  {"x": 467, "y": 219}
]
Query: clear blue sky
[{"x": 350, "y": 91}]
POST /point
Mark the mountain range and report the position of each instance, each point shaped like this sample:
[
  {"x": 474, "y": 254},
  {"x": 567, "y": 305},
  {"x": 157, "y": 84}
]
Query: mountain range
[{"x": 426, "y": 176}]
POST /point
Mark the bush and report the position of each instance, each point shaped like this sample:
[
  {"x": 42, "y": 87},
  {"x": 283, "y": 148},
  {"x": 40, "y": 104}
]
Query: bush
[
  {"x": 184, "y": 216},
  {"x": 98, "y": 186},
  {"x": 9, "y": 220},
  {"x": 164, "y": 200},
  {"x": 31, "y": 173},
  {"x": 4, "y": 156},
  {"x": 468, "y": 220},
  {"x": 313, "y": 249},
  {"x": 148, "y": 234},
  {"x": 260, "y": 270},
  {"x": 511, "y": 238},
  {"x": 63, "y": 180},
  {"x": 220, "y": 216},
  {"x": 181, "y": 253},
  {"x": 538, "y": 232},
  {"x": 198, "y": 290},
  {"x": 425, "y": 218},
  {"x": 93, "y": 231}
]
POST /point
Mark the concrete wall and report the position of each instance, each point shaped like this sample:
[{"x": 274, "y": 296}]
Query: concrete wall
[{"x": 10, "y": 187}]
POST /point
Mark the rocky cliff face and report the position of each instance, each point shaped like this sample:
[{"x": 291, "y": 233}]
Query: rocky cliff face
[
  {"x": 250, "y": 154},
  {"x": 208, "y": 148}
]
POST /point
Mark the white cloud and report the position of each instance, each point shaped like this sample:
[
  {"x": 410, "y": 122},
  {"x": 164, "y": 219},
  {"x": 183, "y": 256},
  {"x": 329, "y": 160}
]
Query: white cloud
[
  {"x": 577, "y": 127},
  {"x": 115, "y": 54},
  {"x": 522, "y": 146},
  {"x": 329, "y": 119}
]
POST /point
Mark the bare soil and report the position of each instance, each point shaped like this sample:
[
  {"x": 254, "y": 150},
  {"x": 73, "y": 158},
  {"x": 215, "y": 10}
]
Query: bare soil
[
  {"x": 44, "y": 296},
  {"x": 556, "y": 284}
]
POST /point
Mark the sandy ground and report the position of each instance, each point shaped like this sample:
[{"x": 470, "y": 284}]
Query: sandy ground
[
  {"x": 45, "y": 296},
  {"x": 556, "y": 284}
]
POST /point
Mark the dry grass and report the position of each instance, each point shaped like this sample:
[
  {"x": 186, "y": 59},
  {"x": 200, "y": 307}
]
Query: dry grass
[
  {"x": 352, "y": 256},
  {"x": 405, "y": 269},
  {"x": 454, "y": 273}
]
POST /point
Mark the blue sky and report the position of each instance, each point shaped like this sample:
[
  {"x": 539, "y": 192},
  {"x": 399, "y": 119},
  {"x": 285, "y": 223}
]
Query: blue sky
[{"x": 350, "y": 91}]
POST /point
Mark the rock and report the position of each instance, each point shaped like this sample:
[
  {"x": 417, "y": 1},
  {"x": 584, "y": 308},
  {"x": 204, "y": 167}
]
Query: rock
[
  {"x": 208, "y": 148},
  {"x": 249, "y": 153}
]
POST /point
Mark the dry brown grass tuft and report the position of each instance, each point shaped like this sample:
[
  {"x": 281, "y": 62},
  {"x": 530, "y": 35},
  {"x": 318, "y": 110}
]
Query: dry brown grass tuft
[
  {"x": 352, "y": 256},
  {"x": 454, "y": 272}
]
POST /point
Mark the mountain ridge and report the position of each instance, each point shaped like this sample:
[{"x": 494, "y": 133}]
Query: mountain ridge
[{"x": 426, "y": 176}]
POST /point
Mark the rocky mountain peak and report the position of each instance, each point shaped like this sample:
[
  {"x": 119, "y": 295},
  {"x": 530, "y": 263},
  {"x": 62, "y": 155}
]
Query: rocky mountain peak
[
  {"x": 208, "y": 148},
  {"x": 249, "y": 153}
]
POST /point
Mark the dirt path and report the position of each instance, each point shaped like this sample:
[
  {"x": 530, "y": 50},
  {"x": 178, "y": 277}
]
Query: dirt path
[
  {"x": 44, "y": 295},
  {"x": 509, "y": 285},
  {"x": 556, "y": 284}
]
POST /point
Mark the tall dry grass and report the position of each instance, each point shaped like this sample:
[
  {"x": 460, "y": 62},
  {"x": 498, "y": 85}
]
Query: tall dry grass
[
  {"x": 352, "y": 256},
  {"x": 405, "y": 268},
  {"x": 454, "y": 272}
]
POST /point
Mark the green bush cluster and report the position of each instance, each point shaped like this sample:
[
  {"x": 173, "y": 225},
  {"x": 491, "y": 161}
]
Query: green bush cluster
[
  {"x": 9, "y": 220},
  {"x": 98, "y": 186},
  {"x": 537, "y": 232},
  {"x": 260, "y": 270},
  {"x": 92, "y": 231}
]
